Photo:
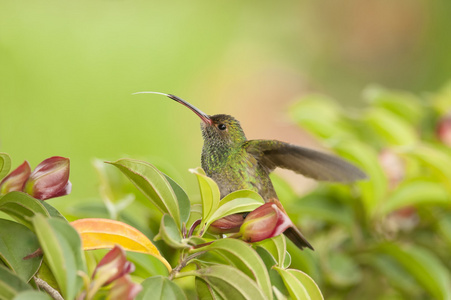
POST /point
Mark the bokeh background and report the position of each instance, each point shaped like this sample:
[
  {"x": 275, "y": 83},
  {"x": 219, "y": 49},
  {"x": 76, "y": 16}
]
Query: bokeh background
[{"x": 68, "y": 69}]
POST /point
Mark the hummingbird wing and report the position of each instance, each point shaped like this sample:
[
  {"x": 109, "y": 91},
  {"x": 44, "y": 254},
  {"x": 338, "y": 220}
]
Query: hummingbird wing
[{"x": 308, "y": 162}]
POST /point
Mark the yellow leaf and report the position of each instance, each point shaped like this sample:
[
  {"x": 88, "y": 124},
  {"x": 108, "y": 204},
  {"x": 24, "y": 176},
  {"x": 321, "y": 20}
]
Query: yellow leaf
[{"x": 105, "y": 233}]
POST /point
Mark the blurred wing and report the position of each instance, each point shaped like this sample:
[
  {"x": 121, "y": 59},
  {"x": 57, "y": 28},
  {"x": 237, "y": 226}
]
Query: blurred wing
[{"x": 310, "y": 163}]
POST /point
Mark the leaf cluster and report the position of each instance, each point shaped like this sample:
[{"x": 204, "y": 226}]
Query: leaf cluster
[
  {"x": 388, "y": 236},
  {"x": 63, "y": 255}
]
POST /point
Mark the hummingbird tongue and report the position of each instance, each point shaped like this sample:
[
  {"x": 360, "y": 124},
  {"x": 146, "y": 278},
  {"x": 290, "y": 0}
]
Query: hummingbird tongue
[{"x": 203, "y": 116}]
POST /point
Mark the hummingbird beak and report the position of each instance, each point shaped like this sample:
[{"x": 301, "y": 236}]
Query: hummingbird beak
[{"x": 203, "y": 116}]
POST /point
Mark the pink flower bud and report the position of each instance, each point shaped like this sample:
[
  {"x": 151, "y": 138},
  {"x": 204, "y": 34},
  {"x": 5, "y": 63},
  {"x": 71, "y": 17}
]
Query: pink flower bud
[
  {"x": 112, "y": 266},
  {"x": 228, "y": 224},
  {"x": 50, "y": 179},
  {"x": 265, "y": 222},
  {"x": 124, "y": 289},
  {"x": 15, "y": 181},
  {"x": 443, "y": 130},
  {"x": 393, "y": 167}
]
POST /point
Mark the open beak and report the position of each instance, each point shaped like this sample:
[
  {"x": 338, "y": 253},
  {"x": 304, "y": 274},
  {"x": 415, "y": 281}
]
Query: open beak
[{"x": 203, "y": 116}]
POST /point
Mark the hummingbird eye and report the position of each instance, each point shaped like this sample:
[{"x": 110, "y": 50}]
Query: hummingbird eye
[{"x": 222, "y": 127}]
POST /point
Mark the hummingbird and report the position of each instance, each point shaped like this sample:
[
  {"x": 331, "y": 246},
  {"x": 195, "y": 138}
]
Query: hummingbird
[{"x": 236, "y": 163}]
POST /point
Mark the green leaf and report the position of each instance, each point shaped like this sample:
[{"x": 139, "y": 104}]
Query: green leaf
[
  {"x": 391, "y": 128},
  {"x": 300, "y": 285},
  {"x": 438, "y": 161},
  {"x": 111, "y": 185},
  {"x": 444, "y": 228},
  {"x": 182, "y": 198},
  {"x": 147, "y": 265},
  {"x": 230, "y": 283},
  {"x": 170, "y": 233},
  {"x": 442, "y": 100},
  {"x": 236, "y": 202},
  {"x": 374, "y": 189},
  {"x": 277, "y": 247},
  {"x": 424, "y": 266},
  {"x": 270, "y": 262},
  {"x": 209, "y": 192},
  {"x": 16, "y": 242},
  {"x": 35, "y": 295},
  {"x": 11, "y": 284},
  {"x": 5, "y": 164},
  {"x": 342, "y": 270},
  {"x": 416, "y": 192},
  {"x": 404, "y": 105},
  {"x": 395, "y": 274},
  {"x": 53, "y": 212},
  {"x": 22, "y": 207},
  {"x": 320, "y": 115},
  {"x": 247, "y": 256},
  {"x": 153, "y": 184},
  {"x": 61, "y": 245},
  {"x": 307, "y": 261},
  {"x": 323, "y": 208},
  {"x": 205, "y": 291},
  {"x": 159, "y": 287}
]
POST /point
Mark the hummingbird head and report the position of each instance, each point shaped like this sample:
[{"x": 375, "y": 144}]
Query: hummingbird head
[
  {"x": 218, "y": 130},
  {"x": 223, "y": 129}
]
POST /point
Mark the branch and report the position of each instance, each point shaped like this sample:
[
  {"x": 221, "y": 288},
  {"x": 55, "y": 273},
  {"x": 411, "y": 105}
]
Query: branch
[
  {"x": 183, "y": 264},
  {"x": 46, "y": 287}
]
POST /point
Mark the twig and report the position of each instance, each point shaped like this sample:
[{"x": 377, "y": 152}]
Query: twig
[
  {"x": 36, "y": 253},
  {"x": 46, "y": 287},
  {"x": 183, "y": 264}
]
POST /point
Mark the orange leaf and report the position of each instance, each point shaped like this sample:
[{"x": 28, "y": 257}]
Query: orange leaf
[{"x": 105, "y": 233}]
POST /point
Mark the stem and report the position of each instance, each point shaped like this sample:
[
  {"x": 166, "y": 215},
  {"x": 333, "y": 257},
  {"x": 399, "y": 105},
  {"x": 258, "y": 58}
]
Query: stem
[
  {"x": 183, "y": 264},
  {"x": 193, "y": 249},
  {"x": 46, "y": 287},
  {"x": 36, "y": 253},
  {"x": 195, "y": 224},
  {"x": 185, "y": 274}
]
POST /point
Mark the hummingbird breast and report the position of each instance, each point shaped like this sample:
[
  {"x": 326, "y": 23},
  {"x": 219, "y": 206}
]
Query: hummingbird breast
[{"x": 237, "y": 170}]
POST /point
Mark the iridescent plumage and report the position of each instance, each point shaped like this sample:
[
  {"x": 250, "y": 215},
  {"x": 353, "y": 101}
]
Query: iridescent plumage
[{"x": 235, "y": 163}]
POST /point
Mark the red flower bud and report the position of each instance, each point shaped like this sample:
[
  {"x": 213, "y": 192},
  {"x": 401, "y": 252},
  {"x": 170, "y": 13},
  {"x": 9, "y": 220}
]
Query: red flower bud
[
  {"x": 228, "y": 224},
  {"x": 124, "y": 289},
  {"x": 112, "y": 266},
  {"x": 15, "y": 181},
  {"x": 265, "y": 222},
  {"x": 443, "y": 130},
  {"x": 50, "y": 179}
]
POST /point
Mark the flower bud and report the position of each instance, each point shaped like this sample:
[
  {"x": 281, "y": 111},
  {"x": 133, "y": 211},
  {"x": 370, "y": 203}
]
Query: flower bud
[
  {"x": 15, "y": 181},
  {"x": 443, "y": 130},
  {"x": 112, "y": 266},
  {"x": 124, "y": 289},
  {"x": 228, "y": 224},
  {"x": 50, "y": 179},
  {"x": 265, "y": 222},
  {"x": 393, "y": 166}
]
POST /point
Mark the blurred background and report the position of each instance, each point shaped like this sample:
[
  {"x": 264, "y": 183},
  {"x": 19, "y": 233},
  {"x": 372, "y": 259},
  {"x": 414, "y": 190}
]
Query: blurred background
[{"x": 68, "y": 69}]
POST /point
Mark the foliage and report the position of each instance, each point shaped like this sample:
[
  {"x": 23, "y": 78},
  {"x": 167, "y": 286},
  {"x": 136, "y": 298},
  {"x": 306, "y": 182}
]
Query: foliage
[
  {"x": 387, "y": 237},
  {"x": 56, "y": 256}
]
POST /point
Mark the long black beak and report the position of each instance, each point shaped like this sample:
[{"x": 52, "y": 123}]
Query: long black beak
[{"x": 203, "y": 116}]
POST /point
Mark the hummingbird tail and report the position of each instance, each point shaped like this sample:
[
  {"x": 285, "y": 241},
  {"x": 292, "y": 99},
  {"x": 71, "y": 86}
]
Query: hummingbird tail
[{"x": 297, "y": 238}]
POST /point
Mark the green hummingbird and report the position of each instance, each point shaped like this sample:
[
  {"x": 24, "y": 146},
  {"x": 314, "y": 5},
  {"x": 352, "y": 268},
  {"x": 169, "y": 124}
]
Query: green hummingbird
[{"x": 236, "y": 163}]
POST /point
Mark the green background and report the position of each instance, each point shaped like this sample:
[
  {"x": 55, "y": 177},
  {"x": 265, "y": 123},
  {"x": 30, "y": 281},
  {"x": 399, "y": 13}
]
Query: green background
[{"x": 68, "y": 69}]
